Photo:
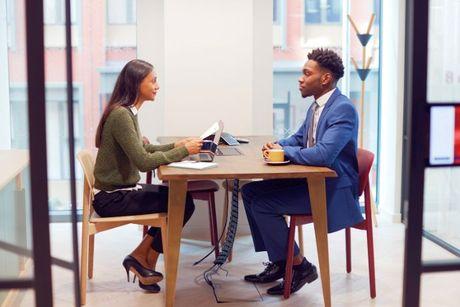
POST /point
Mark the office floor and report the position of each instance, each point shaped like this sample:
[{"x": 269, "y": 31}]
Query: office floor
[{"x": 109, "y": 286}]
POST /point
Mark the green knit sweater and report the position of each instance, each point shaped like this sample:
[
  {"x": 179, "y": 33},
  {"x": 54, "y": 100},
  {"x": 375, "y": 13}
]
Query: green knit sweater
[{"x": 122, "y": 154}]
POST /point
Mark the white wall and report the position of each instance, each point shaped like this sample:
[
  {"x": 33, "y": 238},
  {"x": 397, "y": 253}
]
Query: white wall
[
  {"x": 5, "y": 124},
  {"x": 214, "y": 60},
  {"x": 393, "y": 29}
]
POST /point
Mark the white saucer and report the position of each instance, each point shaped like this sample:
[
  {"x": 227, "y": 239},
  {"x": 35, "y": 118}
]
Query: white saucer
[{"x": 278, "y": 163}]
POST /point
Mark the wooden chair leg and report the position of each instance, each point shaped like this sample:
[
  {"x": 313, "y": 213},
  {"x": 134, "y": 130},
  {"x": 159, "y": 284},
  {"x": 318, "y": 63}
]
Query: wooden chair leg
[
  {"x": 300, "y": 235},
  {"x": 289, "y": 259},
  {"x": 348, "y": 248},
  {"x": 164, "y": 241},
  {"x": 213, "y": 222},
  {"x": 373, "y": 209},
  {"x": 90, "y": 256},
  {"x": 84, "y": 260},
  {"x": 370, "y": 258}
]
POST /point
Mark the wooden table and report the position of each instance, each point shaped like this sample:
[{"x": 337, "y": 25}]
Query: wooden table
[{"x": 250, "y": 165}]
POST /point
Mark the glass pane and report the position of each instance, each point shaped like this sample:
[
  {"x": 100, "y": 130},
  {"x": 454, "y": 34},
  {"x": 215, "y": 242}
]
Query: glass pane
[
  {"x": 95, "y": 68},
  {"x": 443, "y": 80},
  {"x": 291, "y": 45},
  {"x": 366, "y": 94},
  {"x": 57, "y": 144},
  {"x": 442, "y": 204},
  {"x": 322, "y": 25},
  {"x": 15, "y": 200},
  {"x": 441, "y": 192}
]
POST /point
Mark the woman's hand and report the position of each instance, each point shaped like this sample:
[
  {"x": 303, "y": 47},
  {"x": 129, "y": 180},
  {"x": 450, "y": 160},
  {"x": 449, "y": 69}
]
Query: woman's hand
[
  {"x": 194, "y": 146},
  {"x": 145, "y": 140},
  {"x": 186, "y": 140}
]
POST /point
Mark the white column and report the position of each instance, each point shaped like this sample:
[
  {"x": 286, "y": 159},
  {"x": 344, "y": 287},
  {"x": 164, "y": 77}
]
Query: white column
[
  {"x": 151, "y": 48},
  {"x": 262, "y": 53},
  {"x": 392, "y": 105},
  {"x": 5, "y": 123}
]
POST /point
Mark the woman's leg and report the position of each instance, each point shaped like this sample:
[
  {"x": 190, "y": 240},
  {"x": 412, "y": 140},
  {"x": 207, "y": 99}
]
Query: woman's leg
[
  {"x": 151, "y": 199},
  {"x": 141, "y": 252},
  {"x": 156, "y": 232}
]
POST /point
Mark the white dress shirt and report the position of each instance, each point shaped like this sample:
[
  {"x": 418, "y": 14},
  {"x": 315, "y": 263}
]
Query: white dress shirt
[{"x": 321, "y": 101}]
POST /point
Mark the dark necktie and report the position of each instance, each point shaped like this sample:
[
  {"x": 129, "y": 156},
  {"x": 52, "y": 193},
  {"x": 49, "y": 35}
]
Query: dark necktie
[{"x": 314, "y": 107}]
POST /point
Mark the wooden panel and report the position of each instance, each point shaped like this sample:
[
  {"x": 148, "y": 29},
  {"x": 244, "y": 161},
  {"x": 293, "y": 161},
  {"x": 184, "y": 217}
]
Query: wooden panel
[
  {"x": 250, "y": 165},
  {"x": 12, "y": 162}
]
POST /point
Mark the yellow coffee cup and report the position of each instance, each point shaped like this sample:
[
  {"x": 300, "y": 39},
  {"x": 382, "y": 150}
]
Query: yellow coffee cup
[{"x": 275, "y": 155}]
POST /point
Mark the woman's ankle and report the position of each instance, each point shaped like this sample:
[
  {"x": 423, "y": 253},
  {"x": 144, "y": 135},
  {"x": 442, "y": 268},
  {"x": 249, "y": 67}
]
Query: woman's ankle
[{"x": 142, "y": 259}]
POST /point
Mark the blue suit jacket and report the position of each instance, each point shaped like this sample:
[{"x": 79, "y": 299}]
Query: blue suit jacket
[{"x": 336, "y": 148}]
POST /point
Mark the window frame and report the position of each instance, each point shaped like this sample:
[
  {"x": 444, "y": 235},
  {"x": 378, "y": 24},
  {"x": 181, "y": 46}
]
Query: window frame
[
  {"x": 60, "y": 13},
  {"x": 323, "y": 13},
  {"x": 129, "y": 8}
]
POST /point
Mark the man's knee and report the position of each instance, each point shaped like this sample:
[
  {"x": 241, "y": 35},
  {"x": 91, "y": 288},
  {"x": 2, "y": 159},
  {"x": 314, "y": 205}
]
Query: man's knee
[
  {"x": 262, "y": 204},
  {"x": 248, "y": 191}
]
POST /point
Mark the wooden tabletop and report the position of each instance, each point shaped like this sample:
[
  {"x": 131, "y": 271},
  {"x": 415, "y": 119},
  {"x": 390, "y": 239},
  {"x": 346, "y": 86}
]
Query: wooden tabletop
[
  {"x": 250, "y": 165},
  {"x": 12, "y": 162}
]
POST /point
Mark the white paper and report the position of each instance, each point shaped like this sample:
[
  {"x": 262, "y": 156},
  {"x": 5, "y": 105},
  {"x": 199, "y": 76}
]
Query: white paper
[
  {"x": 442, "y": 137},
  {"x": 193, "y": 164},
  {"x": 211, "y": 130}
]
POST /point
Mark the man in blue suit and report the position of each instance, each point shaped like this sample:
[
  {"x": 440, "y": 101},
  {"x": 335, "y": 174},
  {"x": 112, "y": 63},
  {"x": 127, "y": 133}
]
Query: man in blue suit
[{"x": 328, "y": 137}]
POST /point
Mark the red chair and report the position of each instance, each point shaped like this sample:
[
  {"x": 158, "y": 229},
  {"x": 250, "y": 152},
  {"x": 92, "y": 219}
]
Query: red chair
[
  {"x": 365, "y": 160},
  {"x": 201, "y": 190}
]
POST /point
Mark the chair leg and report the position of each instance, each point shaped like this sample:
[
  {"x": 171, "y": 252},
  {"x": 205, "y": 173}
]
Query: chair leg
[
  {"x": 370, "y": 257},
  {"x": 90, "y": 256},
  {"x": 348, "y": 248},
  {"x": 289, "y": 259},
  {"x": 164, "y": 240},
  {"x": 300, "y": 235},
  {"x": 84, "y": 260},
  {"x": 213, "y": 222},
  {"x": 373, "y": 209}
]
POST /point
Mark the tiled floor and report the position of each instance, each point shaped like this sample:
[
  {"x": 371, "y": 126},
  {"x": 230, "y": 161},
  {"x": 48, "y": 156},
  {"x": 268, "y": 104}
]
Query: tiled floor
[{"x": 109, "y": 286}]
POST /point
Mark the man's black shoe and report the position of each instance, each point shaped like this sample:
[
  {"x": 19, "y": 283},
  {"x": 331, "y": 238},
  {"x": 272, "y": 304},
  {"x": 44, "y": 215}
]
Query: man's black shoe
[
  {"x": 299, "y": 279},
  {"x": 272, "y": 272}
]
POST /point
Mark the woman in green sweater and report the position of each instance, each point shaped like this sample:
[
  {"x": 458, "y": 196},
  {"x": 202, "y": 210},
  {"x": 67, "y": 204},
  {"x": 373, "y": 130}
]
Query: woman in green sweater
[{"x": 122, "y": 155}]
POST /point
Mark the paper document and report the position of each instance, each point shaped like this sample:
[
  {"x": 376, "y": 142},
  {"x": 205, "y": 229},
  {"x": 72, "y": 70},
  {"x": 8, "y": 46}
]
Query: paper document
[
  {"x": 193, "y": 164},
  {"x": 211, "y": 130}
]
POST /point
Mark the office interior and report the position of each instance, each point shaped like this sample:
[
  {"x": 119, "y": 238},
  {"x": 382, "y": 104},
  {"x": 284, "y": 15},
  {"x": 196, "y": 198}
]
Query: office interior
[{"x": 237, "y": 61}]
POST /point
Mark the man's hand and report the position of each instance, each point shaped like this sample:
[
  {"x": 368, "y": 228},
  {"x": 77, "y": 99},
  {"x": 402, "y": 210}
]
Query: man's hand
[
  {"x": 194, "y": 146},
  {"x": 186, "y": 140},
  {"x": 268, "y": 146}
]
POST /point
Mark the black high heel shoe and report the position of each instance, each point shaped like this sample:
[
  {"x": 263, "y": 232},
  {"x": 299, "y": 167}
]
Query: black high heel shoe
[
  {"x": 153, "y": 288},
  {"x": 146, "y": 276}
]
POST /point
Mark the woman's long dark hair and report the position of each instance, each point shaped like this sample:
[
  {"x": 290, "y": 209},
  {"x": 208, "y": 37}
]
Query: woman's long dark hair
[{"x": 126, "y": 90}]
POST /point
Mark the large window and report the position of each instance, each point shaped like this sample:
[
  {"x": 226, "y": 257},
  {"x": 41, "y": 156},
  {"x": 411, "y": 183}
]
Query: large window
[
  {"x": 121, "y": 11},
  {"x": 95, "y": 65},
  {"x": 323, "y": 11},
  {"x": 322, "y": 25},
  {"x": 54, "y": 11}
]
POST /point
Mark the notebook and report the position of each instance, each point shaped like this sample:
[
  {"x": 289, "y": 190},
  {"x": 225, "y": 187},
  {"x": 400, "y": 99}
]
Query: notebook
[{"x": 193, "y": 164}]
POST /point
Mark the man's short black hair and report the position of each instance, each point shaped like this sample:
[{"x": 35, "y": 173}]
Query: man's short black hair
[{"x": 328, "y": 59}]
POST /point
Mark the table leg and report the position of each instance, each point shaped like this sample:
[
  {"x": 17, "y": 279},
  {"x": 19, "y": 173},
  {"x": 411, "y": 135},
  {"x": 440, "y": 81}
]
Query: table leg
[
  {"x": 317, "y": 189},
  {"x": 176, "y": 206}
]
